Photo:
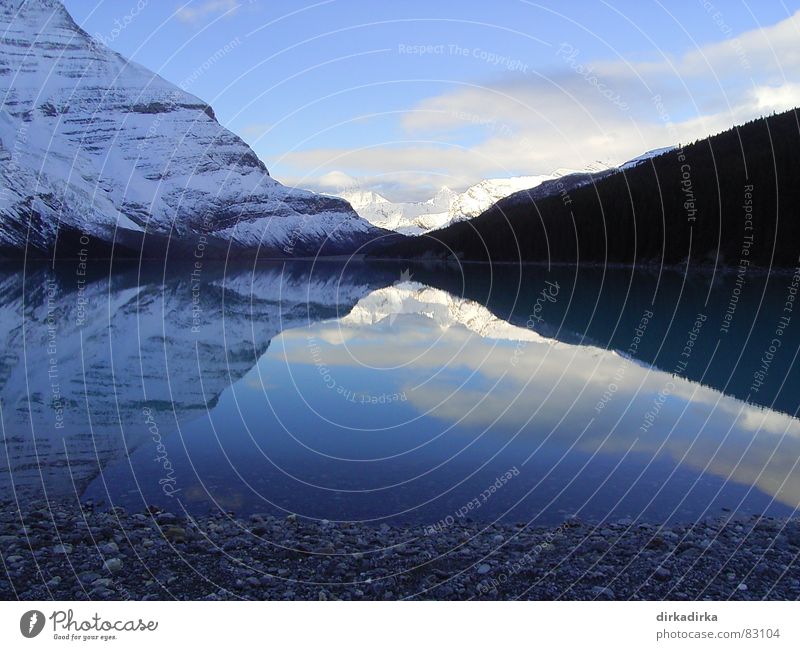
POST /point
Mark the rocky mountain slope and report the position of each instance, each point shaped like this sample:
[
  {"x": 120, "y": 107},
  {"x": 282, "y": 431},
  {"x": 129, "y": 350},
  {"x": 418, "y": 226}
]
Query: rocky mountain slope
[{"x": 97, "y": 146}]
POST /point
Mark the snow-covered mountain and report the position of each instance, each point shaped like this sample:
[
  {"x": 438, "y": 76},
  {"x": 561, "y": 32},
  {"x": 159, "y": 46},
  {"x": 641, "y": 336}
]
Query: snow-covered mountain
[
  {"x": 647, "y": 155},
  {"x": 408, "y": 218},
  {"x": 92, "y": 144},
  {"x": 483, "y": 195},
  {"x": 444, "y": 208},
  {"x": 448, "y": 207}
]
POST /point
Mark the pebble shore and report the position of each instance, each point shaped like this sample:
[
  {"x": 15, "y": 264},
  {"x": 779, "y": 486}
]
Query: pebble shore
[{"x": 55, "y": 552}]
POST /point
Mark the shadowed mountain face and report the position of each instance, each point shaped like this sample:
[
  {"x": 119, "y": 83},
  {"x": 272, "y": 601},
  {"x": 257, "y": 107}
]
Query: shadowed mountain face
[{"x": 92, "y": 371}]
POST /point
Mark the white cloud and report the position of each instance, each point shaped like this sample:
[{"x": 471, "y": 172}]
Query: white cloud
[
  {"x": 196, "y": 11},
  {"x": 582, "y": 112},
  {"x": 411, "y": 172},
  {"x": 337, "y": 180}
]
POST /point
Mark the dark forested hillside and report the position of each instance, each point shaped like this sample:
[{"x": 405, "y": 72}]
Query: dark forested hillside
[{"x": 731, "y": 197}]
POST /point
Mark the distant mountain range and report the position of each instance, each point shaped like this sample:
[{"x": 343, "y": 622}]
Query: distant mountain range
[
  {"x": 444, "y": 208},
  {"x": 447, "y": 207},
  {"x": 731, "y": 199},
  {"x": 95, "y": 148}
]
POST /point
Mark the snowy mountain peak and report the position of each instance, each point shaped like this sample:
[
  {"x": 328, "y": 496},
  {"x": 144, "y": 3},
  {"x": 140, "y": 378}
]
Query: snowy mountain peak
[
  {"x": 93, "y": 144},
  {"x": 443, "y": 208},
  {"x": 653, "y": 153}
]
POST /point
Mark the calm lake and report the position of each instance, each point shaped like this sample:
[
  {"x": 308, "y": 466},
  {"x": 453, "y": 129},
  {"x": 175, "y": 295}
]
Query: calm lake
[{"x": 405, "y": 392}]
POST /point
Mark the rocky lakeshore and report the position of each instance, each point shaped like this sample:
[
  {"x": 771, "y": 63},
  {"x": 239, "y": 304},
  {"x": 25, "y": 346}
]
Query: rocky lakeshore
[{"x": 100, "y": 554}]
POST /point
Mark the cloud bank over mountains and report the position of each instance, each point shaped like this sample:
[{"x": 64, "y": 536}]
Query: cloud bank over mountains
[{"x": 578, "y": 111}]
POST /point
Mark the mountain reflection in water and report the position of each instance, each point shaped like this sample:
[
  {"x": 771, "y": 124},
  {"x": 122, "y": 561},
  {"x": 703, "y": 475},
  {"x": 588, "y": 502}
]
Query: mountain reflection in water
[{"x": 371, "y": 391}]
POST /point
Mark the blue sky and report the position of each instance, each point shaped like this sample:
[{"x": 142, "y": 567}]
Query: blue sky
[{"x": 405, "y": 97}]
